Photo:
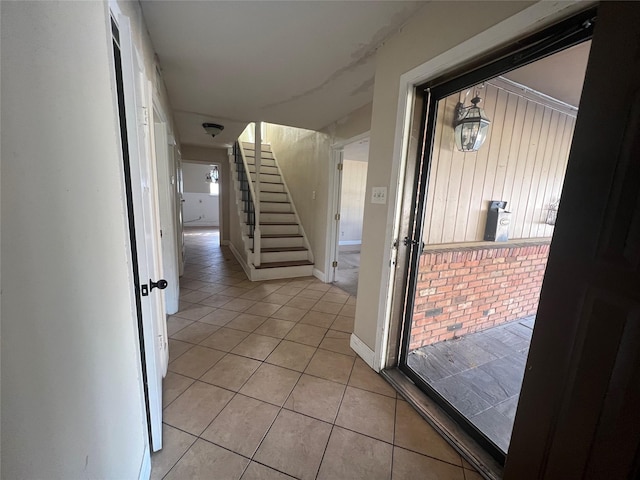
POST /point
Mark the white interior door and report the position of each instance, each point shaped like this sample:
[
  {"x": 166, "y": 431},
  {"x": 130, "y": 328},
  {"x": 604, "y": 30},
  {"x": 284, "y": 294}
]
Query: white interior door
[
  {"x": 338, "y": 204},
  {"x": 178, "y": 208},
  {"x": 146, "y": 228},
  {"x": 166, "y": 201}
]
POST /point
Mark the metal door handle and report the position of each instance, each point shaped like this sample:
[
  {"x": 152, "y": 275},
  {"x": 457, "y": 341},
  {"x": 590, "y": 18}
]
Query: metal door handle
[{"x": 160, "y": 284}]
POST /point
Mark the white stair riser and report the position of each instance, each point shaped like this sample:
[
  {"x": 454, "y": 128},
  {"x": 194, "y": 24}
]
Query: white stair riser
[
  {"x": 278, "y": 217},
  {"x": 264, "y": 162},
  {"x": 271, "y": 187},
  {"x": 268, "y": 257},
  {"x": 266, "y": 178},
  {"x": 284, "y": 272},
  {"x": 251, "y": 146},
  {"x": 282, "y": 242},
  {"x": 275, "y": 207},
  {"x": 279, "y": 229},
  {"x": 273, "y": 196},
  {"x": 264, "y": 169}
]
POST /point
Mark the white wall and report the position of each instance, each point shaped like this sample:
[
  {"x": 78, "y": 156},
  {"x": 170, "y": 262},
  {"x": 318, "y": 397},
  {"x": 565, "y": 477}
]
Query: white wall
[
  {"x": 199, "y": 207},
  {"x": 436, "y": 28},
  {"x": 72, "y": 402}
]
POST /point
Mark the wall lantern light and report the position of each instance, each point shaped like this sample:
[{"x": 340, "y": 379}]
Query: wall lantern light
[
  {"x": 213, "y": 175},
  {"x": 470, "y": 126}
]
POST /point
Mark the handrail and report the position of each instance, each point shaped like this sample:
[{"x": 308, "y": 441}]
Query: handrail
[
  {"x": 257, "y": 160},
  {"x": 249, "y": 198},
  {"x": 246, "y": 187}
]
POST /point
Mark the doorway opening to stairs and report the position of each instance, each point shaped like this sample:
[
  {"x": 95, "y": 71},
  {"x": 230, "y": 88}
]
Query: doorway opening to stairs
[{"x": 351, "y": 193}]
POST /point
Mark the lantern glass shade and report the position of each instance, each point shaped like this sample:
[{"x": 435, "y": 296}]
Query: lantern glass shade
[
  {"x": 471, "y": 127},
  {"x": 213, "y": 175}
]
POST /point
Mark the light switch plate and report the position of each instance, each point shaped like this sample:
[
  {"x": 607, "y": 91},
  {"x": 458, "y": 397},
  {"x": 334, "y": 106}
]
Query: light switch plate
[{"x": 379, "y": 195}]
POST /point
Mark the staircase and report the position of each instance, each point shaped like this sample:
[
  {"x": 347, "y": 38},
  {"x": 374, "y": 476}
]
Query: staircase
[{"x": 284, "y": 249}]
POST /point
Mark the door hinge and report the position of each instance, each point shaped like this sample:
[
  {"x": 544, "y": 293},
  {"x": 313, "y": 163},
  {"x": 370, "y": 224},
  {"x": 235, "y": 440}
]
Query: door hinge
[
  {"x": 334, "y": 264},
  {"x": 337, "y": 216},
  {"x": 160, "y": 233},
  {"x": 144, "y": 116},
  {"x": 340, "y": 166}
]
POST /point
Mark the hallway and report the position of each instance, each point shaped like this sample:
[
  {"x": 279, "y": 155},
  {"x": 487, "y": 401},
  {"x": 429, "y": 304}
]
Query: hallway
[{"x": 262, "y": 384}]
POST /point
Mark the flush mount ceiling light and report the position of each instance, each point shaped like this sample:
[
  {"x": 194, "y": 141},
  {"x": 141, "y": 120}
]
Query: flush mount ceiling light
[
  {"x": 470, "y": 126},
  {"x": 212, "y": 129}
]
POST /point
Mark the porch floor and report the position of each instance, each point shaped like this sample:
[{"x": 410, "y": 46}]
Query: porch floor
[{"x": 480, "y": 374}]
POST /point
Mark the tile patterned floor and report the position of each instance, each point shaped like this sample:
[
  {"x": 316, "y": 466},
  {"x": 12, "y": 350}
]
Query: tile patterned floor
[
  {"x": 262, "y": 384},
  {"x": 480, "y": 374}
]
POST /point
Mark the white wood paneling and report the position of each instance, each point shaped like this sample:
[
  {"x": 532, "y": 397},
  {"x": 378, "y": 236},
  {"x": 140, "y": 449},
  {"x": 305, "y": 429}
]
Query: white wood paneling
[{"x": 523, "y": 162}]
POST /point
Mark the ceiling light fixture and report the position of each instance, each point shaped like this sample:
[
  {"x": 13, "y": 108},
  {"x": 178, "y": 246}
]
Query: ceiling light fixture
[
  {"x": 470, "y": 126},
  {"x": 213, "y": 175},
  {"x": 213, "y": 129}
]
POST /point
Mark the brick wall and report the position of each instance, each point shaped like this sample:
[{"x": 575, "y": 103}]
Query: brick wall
[{"x": 478, "y": 287}]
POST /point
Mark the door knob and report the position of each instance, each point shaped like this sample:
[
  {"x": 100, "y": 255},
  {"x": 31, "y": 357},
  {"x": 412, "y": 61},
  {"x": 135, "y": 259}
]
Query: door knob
[{"x": 160, "y": 284}]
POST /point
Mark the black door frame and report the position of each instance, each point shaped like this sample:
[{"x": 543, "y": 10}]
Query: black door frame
[{"x": 565, "y": 34}]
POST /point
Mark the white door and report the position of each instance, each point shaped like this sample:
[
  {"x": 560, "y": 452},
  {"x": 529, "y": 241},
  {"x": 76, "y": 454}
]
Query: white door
[
  {"x": 146, "y": 226},
  {"x": 178, "y": 208},
  {"x": 335, "y": 247},
  {"x": 166, "y": 202}
]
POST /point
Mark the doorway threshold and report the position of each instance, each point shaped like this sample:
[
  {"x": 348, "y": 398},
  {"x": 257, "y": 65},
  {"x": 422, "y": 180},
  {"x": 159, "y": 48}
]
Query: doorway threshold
[{"x": 459, "y": 439}]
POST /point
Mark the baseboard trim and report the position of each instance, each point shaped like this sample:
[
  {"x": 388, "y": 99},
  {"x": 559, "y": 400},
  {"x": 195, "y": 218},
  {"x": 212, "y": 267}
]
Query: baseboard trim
[
  {"x": 350, "y": 242},
  {"x": 225, "y": 243},
  {"x": 319, "y": 275},
  {"x": 241, "y": 260},
  {"x": 145, "y": 468},
  {"x": 362, "y": 350}
]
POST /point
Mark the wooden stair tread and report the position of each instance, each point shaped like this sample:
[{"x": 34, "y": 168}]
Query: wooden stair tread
[
  {"x": 282, "y": 249},
  {"x": 297, "y": 263},
  {"x": 270, "y": 183},
  {"x": 273, "y": 201},
  {"x": 279, "y": 235},
  {"x": 271, "y": 212},
  {"x": 278, "y": 223}
]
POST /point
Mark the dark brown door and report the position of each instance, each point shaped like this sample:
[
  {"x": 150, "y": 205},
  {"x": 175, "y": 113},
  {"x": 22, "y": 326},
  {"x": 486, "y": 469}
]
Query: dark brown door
[{"x": 579, "y": 411}]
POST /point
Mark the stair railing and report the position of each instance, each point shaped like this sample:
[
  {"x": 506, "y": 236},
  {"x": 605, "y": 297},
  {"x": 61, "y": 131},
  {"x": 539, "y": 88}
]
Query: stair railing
[
  {"x": 246, "y": 188},
  {"x": 251, "y": 192},
  {"x": 257, "y": 237}
]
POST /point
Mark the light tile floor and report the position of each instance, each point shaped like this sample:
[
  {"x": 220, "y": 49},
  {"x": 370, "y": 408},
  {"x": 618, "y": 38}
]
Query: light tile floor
[{"x": 262, "y": 384}]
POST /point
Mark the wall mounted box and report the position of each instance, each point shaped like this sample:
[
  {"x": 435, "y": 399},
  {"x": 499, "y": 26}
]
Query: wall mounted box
[{"x": 498, "y": 221}]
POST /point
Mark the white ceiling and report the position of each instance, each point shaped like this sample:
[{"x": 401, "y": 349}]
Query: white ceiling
[
  {"x": 298, "y": 63},
  {"x": 560, "y": 75},
  {"x": 357, "y": 151}
]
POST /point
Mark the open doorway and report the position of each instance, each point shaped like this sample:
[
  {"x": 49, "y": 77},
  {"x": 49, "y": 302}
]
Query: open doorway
[
  {"x": 484, "y": 220},
  {"x": 352, "y": 192},
  {"x": 201, "y": 197}
]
